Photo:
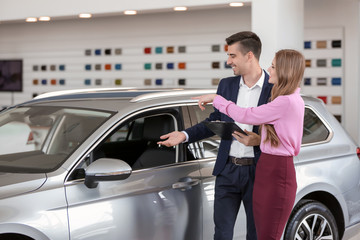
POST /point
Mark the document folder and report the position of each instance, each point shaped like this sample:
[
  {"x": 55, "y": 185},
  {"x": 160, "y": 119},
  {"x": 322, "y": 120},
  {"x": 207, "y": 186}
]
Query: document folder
[{"x": 223, "y": 129}]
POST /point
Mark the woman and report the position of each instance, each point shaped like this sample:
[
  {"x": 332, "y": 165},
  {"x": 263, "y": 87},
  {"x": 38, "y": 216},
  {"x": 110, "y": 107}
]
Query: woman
[{"x": 281, "y": 121}]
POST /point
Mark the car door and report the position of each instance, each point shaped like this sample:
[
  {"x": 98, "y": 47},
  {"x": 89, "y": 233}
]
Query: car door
[
  {"x": 159, "y": 200},
  {"x": 205, "y": 151}
]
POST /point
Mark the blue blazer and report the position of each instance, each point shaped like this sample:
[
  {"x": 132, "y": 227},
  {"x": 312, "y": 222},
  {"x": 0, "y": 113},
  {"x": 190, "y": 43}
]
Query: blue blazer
[{"x": 229, "y": 89}]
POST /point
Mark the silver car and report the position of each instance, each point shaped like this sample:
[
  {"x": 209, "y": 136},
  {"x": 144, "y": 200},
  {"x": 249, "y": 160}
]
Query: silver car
[{"x": 94, "y": 170}]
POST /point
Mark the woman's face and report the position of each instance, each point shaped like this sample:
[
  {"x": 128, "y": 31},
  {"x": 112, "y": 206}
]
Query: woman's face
[{"x": 272, "y": 73}]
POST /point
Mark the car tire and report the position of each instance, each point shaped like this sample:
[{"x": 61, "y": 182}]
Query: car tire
[
  {"x": 13, "y": 236},
  {"x": 311, "y": 220}
]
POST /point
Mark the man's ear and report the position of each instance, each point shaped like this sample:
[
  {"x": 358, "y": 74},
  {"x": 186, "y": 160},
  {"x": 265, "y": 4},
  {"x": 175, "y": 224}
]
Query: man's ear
[{"x": 250, "y": 55}]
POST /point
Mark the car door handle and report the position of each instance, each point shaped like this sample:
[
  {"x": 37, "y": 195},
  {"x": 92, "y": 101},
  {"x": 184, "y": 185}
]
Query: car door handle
[{"x": 185, "y": 184}]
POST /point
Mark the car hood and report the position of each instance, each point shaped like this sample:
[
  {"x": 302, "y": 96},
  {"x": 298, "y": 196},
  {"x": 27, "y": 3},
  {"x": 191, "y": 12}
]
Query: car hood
[{"x": 12, "y": 184}]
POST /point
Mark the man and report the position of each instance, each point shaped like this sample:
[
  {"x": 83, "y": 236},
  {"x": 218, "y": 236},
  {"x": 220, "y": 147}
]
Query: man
[{"x": 235, "y": 164}]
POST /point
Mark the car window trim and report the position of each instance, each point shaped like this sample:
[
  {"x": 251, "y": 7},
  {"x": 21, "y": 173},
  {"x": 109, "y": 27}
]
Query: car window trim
[
  {"x": 192, "y": 113},
  {"x": 195, "y": 121}
]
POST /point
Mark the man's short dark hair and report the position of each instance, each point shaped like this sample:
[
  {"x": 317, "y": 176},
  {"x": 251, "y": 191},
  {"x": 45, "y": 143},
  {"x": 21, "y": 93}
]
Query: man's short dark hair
[{"x": 249, "y": 41}]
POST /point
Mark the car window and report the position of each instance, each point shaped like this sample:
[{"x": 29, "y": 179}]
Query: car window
[
  {"x": 314, "y": 129},
  {"x": 207, "y": 147},
  {"x": 39, "y": 139},
  {"x": 135, "y": 142},
  {"x": 130, "y": 131}
]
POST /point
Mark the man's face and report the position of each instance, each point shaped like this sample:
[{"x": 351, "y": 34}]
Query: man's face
[{"x": 236, "y": 59}]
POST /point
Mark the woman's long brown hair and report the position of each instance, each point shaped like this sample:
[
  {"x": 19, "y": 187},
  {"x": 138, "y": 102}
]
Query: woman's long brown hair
[{"x": 289, "y": 67}]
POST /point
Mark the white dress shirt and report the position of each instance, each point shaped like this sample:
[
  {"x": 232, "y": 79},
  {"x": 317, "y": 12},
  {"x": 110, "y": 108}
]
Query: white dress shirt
[{"x": 247, "y": 97}]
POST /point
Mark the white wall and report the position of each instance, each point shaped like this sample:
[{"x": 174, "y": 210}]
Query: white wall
[
  {"x": 64, "y": 42},
  {"x": 344, "y": 14},
  {"x": 279, "y": 24}
]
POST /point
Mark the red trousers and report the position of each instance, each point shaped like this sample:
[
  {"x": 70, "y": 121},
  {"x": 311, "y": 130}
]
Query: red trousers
[{"x": 273, "y": 195}]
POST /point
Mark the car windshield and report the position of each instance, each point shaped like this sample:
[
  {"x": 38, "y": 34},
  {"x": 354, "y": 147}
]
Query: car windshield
[{"x": 39, "y": 139}]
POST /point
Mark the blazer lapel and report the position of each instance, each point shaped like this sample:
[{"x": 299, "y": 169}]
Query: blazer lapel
[{"x": 235, "y": 90}]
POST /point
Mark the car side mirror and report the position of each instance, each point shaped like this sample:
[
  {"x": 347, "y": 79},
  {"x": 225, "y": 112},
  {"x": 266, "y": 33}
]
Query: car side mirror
[{"x": 106, "y": 169}]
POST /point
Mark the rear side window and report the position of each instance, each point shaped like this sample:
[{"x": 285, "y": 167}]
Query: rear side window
[{"x": 314, "y": 129}]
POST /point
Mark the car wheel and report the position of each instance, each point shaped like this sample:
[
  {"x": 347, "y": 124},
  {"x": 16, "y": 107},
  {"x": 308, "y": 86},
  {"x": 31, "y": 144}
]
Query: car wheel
[{"x": 311, "y": 220}]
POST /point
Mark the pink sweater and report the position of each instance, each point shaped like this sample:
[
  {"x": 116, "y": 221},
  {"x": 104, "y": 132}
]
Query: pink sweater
[{"x": 286, "y": 113}]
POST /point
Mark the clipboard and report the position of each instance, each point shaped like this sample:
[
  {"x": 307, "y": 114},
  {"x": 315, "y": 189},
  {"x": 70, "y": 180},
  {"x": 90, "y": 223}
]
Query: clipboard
[{"x": 223, "y": 129}]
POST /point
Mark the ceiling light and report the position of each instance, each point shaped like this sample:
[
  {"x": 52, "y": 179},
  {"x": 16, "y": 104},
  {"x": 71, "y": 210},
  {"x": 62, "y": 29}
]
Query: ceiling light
[
  {"x": 236, "y": 4},
  {"x": 44, "y": 19},
  {"x": 85, "y": 15},
  {"x": 180, "y": 8},
  {"x": 130, "y": 12},
  {"x": 31, "y": 19}
]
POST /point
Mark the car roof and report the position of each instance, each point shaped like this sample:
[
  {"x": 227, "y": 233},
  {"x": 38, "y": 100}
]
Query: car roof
[
  {"x": 108, "y": 98},
  {"x": 95, "y": 93},
  {"x": 116, "y": 99}
]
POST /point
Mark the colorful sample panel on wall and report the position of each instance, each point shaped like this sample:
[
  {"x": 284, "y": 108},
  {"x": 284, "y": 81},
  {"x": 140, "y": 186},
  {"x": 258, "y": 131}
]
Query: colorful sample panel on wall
[
  {"x": 324, "y": 73},
  {"x": 156, "y": 64}
]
